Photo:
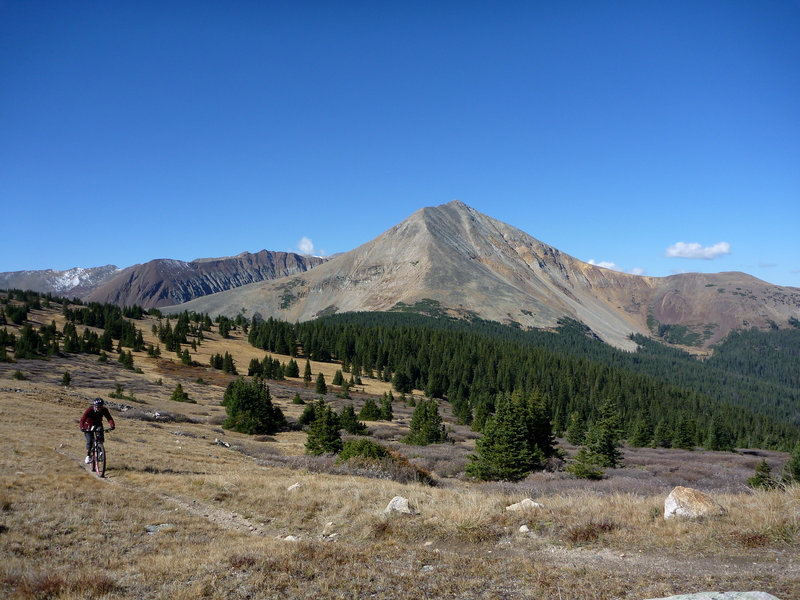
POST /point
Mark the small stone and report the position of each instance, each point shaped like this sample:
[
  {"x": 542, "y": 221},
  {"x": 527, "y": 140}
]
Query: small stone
[
  {"x": 427, "y": 569},
  {"x": 524, "y": 529},
  {"x": 293, "y": 487},
  {"x": 290, "y": 538}
]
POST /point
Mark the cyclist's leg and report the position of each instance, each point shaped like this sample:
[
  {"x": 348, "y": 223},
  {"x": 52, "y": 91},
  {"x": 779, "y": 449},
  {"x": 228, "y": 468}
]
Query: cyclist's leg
[{"x": 88, "y": 435}]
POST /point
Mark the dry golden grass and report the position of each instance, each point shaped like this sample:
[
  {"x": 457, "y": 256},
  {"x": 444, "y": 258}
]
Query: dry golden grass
[{"x": 217, "y": 516}]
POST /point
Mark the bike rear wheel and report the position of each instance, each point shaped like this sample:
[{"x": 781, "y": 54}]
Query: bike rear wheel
[{"x": 99, "y": 459}]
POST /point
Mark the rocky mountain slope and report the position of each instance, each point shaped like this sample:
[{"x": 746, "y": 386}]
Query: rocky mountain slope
[
  {"x": 68, "y": 284},
  {"x": 454, "y": 259},
  {"x": 165, "y": 282}
]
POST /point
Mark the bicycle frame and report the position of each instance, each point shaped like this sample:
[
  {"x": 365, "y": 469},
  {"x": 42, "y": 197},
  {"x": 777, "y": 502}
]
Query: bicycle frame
[{"x": 97, "y": 452}]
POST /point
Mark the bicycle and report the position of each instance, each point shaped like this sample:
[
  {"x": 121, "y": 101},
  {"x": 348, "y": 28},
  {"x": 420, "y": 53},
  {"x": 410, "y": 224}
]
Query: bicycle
[{"x": 97, "y": 453}]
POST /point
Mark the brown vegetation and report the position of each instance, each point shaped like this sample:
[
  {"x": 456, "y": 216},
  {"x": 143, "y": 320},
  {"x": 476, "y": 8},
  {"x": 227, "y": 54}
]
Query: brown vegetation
[{"x": 181, "y": 515}]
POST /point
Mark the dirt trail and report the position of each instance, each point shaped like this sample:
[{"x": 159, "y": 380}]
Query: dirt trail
[{"x": 221, "y": 517}]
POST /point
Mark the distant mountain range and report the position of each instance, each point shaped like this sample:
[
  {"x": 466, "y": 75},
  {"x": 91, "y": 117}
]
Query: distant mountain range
[
  {"x": 453, "y": 260},
  {"x": 161, "y": 282}
]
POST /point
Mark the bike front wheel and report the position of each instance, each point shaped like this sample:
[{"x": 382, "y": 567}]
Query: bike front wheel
[{"x": 99, "y": 459}]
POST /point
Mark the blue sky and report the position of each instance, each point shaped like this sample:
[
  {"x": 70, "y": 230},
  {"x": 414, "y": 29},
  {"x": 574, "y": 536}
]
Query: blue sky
[{"x": 658, "y": 137}]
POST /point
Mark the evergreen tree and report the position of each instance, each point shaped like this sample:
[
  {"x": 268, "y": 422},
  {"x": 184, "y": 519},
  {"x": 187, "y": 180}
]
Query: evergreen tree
[
  {"x": 323, "y": 432},
  {"x": 662, "y": 435},
  {"x": 426, "y": 425},
  {"x": 307, "y": 373},
  {"x": 228, "y": 364},
  {"x": 386, "y": 412},
  {"x": 179, "y": 395},
  {"x": 66, "y": 379},
  {"x": 503, "y": 451},
  {"x": 683, "y": 436},
  {"x": 642, "y": 434},
  {"x": 338, "y": 378},
  {"x": 585, "y": 465},
  {"x": 762, "y": 479},
  {"x": 292, "y": 368},
  {"x": 297, "y": 399},
  {"x": 719, "y": 436},
  {"x": 576, "y": 429},
  {"x": 370, "y": 411},
  {"x": 250, "y": 409},
  {"x": 350, "y": 423},
  {"x": 604, "y": 437},
  {"x": 320, "y": 386}
]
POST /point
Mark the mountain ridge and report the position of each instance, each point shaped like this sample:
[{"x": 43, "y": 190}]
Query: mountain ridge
[{"x": 472, "y": 264}]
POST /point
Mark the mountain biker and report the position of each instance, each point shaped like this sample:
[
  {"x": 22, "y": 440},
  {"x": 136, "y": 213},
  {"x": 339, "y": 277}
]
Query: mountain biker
[{"x": 93, "y": 417}]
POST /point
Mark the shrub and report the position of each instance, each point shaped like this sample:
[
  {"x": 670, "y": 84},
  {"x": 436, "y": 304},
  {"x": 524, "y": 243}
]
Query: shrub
[
  {"x": 363, "y": 448},
  {"x": 18, "y": 376}
]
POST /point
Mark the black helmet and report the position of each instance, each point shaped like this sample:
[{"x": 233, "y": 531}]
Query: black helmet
[{"x": 98, "y": 402}]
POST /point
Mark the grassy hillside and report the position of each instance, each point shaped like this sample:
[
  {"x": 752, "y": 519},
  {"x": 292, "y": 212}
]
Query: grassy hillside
[{"x": 189, "y": 510}]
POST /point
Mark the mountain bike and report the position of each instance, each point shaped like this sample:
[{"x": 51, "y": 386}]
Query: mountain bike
[{"x": 97, "y": 453}]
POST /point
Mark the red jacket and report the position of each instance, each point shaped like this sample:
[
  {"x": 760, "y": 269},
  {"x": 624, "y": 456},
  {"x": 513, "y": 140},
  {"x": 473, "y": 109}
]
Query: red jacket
[{"x": 94, "y": 417}]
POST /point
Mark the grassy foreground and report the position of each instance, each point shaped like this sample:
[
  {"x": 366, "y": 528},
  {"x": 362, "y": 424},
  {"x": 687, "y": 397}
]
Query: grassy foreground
[{"x": 188, "y": 510}]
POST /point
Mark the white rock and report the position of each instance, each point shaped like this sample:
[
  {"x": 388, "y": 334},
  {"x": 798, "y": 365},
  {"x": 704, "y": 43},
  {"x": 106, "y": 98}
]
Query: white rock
[
  {"x": 526, "y": 504},
  {"x": 293, "y": 487},
  {"x": 690, "y": 503},
  {"x": 398, "y": 504},
  {"x": 524, "y": 529},
  {"x": 290, "y": 538}
]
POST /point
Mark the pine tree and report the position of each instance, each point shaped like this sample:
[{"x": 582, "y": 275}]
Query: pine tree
[
  {"x": 386, "y": 412},
  {"x": 179, "y": 395},
  {"x": 642, "y": 434},
  {"x": 585, "y": 465},
  {"x": 604, "y": 437},
  {"x": 320, "y": 386},
  {"x": 250, "y": 409},
  {"x": 503, "y": 450},
  {"x": 66, "y": 379},
  {"x": 307, "y": 373},
  {"x": 426, "y": 425},
  {"x": 350, "y": 423},
  {"x": 762, "y": 479},
  {"x": 338, "y": 378},
  {"x": 323, "y": 432},
  {"x": 576, "y": 429},
  {"x": 370, "y": 411}
]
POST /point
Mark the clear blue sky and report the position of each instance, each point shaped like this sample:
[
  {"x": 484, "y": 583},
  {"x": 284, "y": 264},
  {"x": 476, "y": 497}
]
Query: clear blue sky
[{"x": 618, "y": 132}]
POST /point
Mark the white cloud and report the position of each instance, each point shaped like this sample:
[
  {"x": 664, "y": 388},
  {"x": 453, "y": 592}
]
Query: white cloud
[
  {"x": 615, "y": 267},
  {"x": 605, "y": 264},
  {"x": 697, "y": 251},
  {"x": 305, "y": 245}
]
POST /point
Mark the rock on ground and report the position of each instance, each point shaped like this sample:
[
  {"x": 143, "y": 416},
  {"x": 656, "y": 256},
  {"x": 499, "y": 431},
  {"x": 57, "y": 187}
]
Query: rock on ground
[
  {"x": 691, "y": 503},
  {"x": 526, "y": 504},
  {"x": 398, "y": 504}
]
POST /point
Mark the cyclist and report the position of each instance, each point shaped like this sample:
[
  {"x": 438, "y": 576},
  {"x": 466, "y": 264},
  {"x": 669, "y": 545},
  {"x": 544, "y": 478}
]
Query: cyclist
[{"x": 93, "y": 417}]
